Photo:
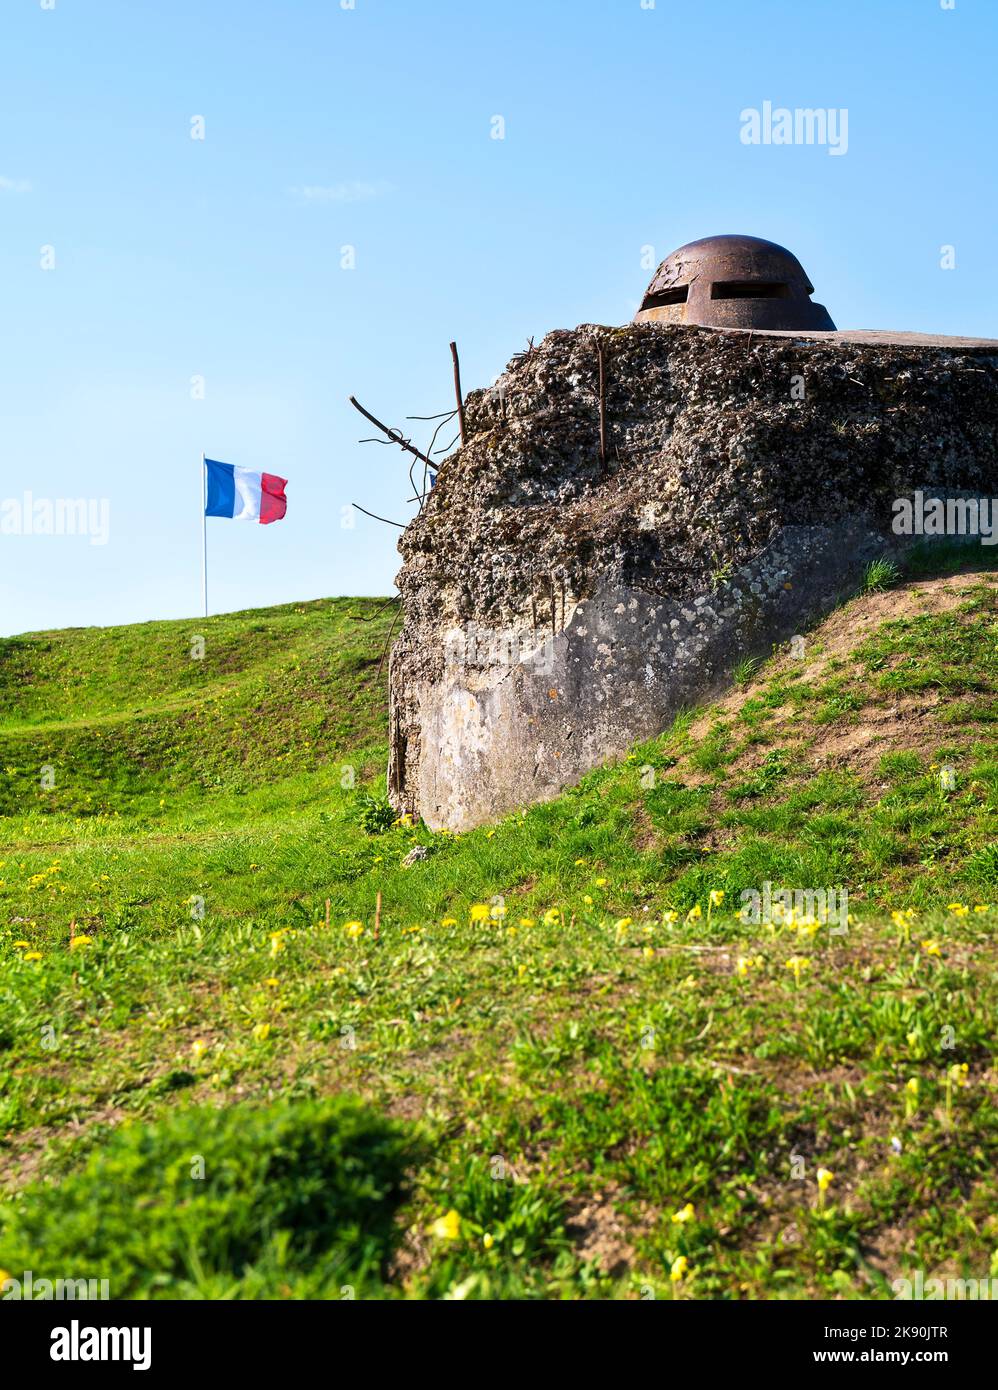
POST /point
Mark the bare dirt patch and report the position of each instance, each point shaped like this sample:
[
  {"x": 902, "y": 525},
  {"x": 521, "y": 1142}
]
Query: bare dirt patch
[
  {"x": 600, "y": 1235},
  {"x": 857, "y": 741}
]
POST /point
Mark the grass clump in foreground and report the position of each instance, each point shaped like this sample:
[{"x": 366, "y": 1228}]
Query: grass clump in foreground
[
  {"x": 223, "y": 1203},
  {"x": 596, "y": 1077}
]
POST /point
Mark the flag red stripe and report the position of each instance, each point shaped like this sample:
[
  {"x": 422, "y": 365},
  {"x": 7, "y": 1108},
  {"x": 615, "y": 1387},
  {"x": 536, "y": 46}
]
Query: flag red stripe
[{"x": 273, "y": 503}]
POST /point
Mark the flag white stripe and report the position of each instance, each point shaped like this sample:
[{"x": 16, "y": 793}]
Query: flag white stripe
[{"x": 246, "y": 501}]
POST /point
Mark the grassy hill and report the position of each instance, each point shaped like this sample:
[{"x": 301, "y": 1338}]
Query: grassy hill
[{"x": 555, "y": 1065}]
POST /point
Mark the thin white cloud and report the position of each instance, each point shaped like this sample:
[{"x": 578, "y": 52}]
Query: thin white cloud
[
  {"x": 355, "y": 191},
  {"x": 14, "y": 185}
]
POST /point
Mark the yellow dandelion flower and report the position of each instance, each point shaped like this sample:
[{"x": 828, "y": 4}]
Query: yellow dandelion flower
[
  {"x": 931, "y": 948},
  {"x": 198, "y": 1049},
  {"x": 552, "y": 917},
  {"x": 680, "y": 1268},
  {"x": 261, "y": 1032},
  {"x": 479, "y": 912},
  {"x": 488, "y": 1240},
  {"x": 354, "y": 930},
  {"x": 716, "y": 897},
  {"x": 32, "y": 955},
  {"x": 601, "y": 882},
  {"x": 76, "y": 942},
  {"x": 683, "y": 1215},
  {"x": 447, "y": 1227},
  {"x": 797, "y": 964},
  {"x": 825, "y": 1179}
]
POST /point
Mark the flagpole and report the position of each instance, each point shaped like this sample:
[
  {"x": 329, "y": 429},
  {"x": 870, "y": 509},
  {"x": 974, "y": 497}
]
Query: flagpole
[{"x": 204, "y": 536}]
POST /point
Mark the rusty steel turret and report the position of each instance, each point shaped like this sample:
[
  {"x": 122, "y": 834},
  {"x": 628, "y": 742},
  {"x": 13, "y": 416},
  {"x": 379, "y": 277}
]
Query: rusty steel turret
[{"x": 733, "y": 282}]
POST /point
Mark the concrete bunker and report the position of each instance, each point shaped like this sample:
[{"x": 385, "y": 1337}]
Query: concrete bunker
[{"x": 635, "y": 509}]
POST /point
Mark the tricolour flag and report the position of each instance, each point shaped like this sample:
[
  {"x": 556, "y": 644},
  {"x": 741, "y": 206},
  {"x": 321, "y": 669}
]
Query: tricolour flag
[{"x": 243, "y": 495}]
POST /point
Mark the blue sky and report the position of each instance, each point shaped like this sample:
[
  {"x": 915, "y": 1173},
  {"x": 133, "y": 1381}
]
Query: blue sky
[{"x": 371, "y": 127}]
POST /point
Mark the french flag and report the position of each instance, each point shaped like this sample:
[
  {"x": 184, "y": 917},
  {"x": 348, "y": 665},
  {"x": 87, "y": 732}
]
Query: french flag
[{"x": 243, "y": 495}]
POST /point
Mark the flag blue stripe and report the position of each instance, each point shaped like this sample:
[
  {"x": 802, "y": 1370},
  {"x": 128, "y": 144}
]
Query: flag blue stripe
[{"x": 221, "y": 489}]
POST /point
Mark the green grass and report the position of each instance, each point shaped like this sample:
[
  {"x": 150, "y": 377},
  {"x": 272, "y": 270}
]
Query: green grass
[
  {"x": 745, "y": 670},
  {"x": 304, "y": 1193},
  {"x": 879, "y": 575},
  {"x": 536, "y": 1055}
]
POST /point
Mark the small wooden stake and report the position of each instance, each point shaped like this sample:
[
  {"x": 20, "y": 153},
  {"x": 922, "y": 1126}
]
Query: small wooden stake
[
  {"x": 377, "y": 916},
  {"x": 327, "y": 914},
  {"x": 457, "y": 388}
]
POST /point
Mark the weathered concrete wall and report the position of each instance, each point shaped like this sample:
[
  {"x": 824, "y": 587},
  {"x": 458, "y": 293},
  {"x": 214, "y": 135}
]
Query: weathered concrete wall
[{"x": 556, "y": 611}]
